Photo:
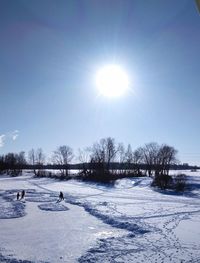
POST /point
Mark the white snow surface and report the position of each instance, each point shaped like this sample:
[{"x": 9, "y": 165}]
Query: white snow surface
[{"x": 127, "y": 222}]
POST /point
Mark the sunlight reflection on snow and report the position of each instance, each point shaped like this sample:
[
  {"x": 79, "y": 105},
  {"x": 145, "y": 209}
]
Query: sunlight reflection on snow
[{"x": 104, "y": 234}]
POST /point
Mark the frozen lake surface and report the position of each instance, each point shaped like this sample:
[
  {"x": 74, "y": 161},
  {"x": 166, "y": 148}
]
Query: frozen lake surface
[{"x": 128, "y": 222}]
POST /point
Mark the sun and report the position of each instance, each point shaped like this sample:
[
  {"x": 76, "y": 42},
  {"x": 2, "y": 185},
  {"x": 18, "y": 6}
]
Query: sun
[{"x": 112, "y": 81}]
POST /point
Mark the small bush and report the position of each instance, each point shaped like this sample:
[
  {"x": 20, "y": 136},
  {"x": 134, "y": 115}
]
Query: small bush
[
  {"x": 180, "y": 182},
  {"x": 15, "y": 173},
  {"x": 163, "y": 181},
  {"x": 177, "y": 182}
]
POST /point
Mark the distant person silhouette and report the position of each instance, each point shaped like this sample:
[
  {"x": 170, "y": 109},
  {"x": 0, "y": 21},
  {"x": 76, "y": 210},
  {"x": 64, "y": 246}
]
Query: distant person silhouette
[
  {"x": 23, "y": 194},
  {"x": 18, "y": 195},
  {"x": 61, "y": 196}
]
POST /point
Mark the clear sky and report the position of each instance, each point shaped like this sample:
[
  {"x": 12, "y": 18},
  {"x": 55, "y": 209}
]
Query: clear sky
[{"x": 51, "y": 50}]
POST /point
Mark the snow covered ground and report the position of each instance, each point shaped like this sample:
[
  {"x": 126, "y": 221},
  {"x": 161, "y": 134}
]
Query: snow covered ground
[{"x": 128, "y": 222}]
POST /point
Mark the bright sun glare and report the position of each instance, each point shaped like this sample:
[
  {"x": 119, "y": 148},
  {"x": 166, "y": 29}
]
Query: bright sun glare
[{"x": 112, "y": 81}]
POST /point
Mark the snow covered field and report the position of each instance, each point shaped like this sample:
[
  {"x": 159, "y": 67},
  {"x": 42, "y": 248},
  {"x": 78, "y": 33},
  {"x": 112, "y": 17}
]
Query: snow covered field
[{"x": 128, "y": 222}]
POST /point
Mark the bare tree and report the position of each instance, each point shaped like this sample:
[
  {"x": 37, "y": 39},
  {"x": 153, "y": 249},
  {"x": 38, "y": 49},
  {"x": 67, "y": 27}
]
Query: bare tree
[
  {"x": 13, "y": 162},
  {"x": 84, "y": 155},
  {"x": 22, "y": 158},
  {"x": 39, "y": 156},
  {"x": 137, "y": 159},
  {"x": 31, "y": 157},
  {"x": 36, "y": 157},
  {"x": 63, "y": 156},
  {"x": 10, "y": 159},
  {"x": 166, "y": 157},
  {"x": 134, "y": 159},
  {"x": 158, "y": 158},
  {"x": 84, "y": 158},
  {"x": 121, "y": 153},
  {"x": 129, "y": 155},
  {"x": 150, "y": 155},
  {"x": 104, "y": 152}
]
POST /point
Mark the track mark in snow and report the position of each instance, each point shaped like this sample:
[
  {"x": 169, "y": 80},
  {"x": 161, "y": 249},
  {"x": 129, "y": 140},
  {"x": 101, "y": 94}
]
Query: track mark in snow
[
  {"x": 12, "y": 259},
  {"x": 158, "y": 244}
]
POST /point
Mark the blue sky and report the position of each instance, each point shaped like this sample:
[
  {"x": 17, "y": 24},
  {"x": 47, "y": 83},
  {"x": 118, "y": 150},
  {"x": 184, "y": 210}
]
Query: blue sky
[{"x": 50, "y": 52}]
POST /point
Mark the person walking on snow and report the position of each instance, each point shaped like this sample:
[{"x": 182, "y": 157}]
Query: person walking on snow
[
  {"x": 18, "y": 195},
  {"x": 23, "y": 194},
  {"x": 61, "y": 196}
]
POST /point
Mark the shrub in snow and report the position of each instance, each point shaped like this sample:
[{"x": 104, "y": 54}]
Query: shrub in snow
[
  {"x": 180, "y": 182},
  {"x": 163, "y": 181}
]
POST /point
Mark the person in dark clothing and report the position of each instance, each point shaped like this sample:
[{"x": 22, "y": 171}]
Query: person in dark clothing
[
  {"x": 18, "y": 195},
  {"x": 61, "y": 196},
  {"x": 23, "y": 194}
]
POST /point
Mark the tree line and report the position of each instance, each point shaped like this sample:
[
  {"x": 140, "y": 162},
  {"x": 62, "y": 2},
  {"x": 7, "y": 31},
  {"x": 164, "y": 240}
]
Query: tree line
[{"x": 98, "y": 160}]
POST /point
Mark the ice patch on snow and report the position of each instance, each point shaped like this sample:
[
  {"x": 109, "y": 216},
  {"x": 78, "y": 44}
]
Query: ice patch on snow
[
  {"x": 41, "y": 198},
  {"x": 9, "y": 207},
  {"x": 53, "y": 207},
  {"x": 13, "y": 260}
]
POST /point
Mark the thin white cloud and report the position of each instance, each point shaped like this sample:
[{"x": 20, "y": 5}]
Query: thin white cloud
[
  {"x": 2, "y": 140},
  {"x": 8, "y": 136},
  {"x": 15, "y": 134}
]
